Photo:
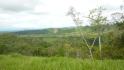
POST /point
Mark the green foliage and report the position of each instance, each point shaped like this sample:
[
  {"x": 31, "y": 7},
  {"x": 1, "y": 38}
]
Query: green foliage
[
  {"x": 57, "y": 63},
  {"x": 67, "y": 42}
]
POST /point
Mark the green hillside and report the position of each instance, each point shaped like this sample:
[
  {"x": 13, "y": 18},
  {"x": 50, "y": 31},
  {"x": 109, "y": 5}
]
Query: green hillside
[{"x": 65, "y": 42}]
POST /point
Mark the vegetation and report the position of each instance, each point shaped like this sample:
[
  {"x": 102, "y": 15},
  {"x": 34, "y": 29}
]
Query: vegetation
[
  {"x": 66, "y": 43},
  {"x": 18, "y": 62},
  {"x": 56, "y": 48}
]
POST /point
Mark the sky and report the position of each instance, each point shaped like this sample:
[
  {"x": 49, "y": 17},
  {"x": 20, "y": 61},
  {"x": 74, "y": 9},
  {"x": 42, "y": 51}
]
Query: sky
[{"x": 40, "y": 14}]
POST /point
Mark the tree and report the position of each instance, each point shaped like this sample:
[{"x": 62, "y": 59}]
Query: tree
[
  {"x": 97, "y": 19},
  {"x": 77, "y": 20},
  {"x": 118, "y": 16},
  {"x": 118, "y": 29}
]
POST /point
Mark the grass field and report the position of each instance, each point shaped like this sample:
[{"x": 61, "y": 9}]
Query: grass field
[{"x": 15, "y": 62}]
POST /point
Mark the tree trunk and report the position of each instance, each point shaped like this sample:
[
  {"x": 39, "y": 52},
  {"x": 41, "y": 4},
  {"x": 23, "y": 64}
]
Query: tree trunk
[
  {"x": 100, "y": 49},
  {"x": 91, "y": 54}
]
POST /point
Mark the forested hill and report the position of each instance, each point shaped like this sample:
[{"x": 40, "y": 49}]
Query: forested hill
[
  {"x": 46, "y": 31},
  {"x": 66, "y": 30},
  {"x": 52, "y": 31},
  {"x": 65, "y": 42}
]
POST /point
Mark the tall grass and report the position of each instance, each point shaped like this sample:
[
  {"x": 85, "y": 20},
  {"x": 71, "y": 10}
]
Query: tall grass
[{"x": 9, "y": 62}]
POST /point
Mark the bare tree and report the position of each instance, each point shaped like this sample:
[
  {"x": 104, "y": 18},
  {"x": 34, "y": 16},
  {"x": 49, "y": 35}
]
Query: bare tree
[
  {"x": 118, "y": 16},
  {"x": 96, "y": 19},
  {"x": 77, "y": 20}
]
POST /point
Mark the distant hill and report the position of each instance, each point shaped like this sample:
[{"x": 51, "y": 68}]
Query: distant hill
[
  {"x": 46, "y": 31},
  {"x": 60, "y": 32},
  {"x": 52, "y": 31}
]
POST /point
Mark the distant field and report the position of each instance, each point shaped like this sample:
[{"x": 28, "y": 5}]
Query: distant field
[{"x": 15, "y": 62}]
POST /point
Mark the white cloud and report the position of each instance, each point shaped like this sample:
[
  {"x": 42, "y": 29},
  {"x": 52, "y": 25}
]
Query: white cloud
[
  {"x": 17, "y": 5},
  {"x": 35, "y": 14}
]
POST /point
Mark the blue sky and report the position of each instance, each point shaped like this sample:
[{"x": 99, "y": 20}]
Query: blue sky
[{"x": 39, "y": 14}]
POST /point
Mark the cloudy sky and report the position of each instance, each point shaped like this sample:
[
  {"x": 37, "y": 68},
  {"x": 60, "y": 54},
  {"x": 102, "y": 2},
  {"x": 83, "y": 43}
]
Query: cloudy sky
[{"x": 39, "y": 14}]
